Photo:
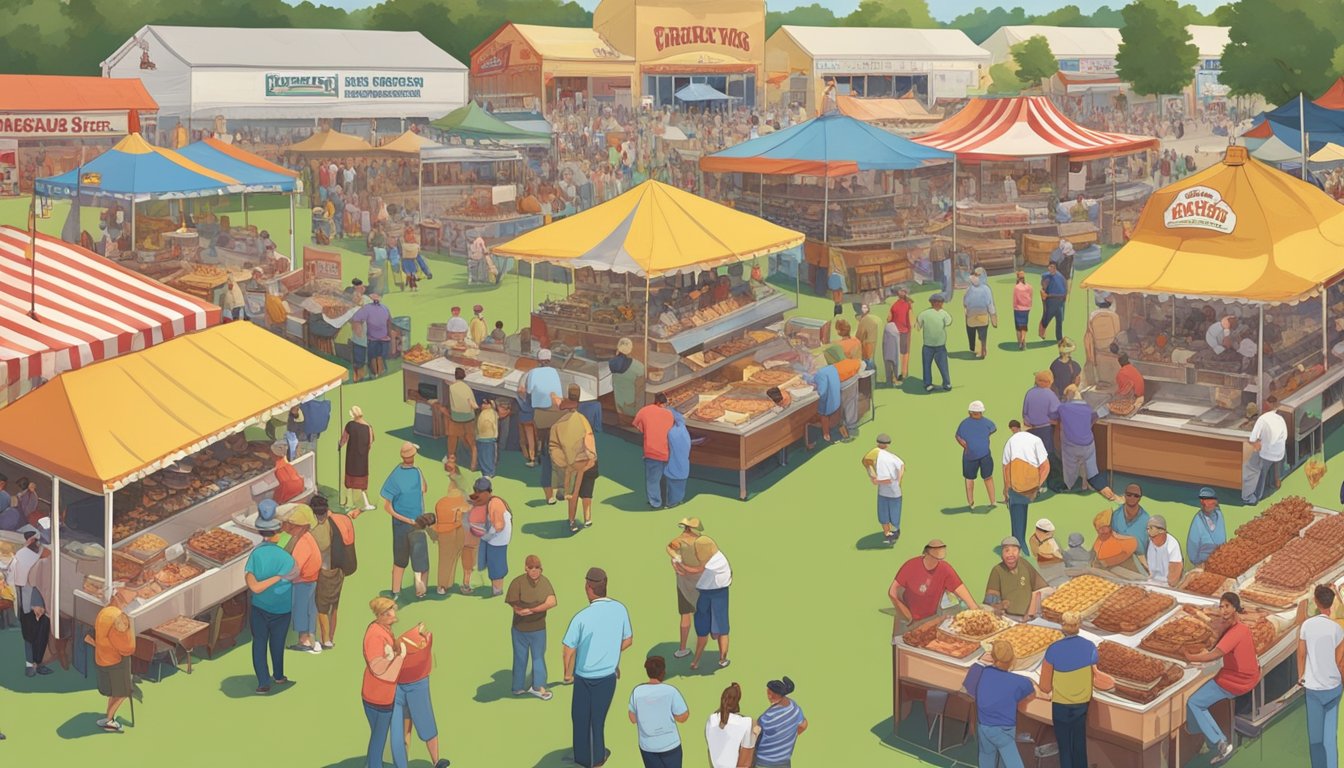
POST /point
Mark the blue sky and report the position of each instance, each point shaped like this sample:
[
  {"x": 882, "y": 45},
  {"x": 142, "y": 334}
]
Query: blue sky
[{"x": 942, "y": 9}]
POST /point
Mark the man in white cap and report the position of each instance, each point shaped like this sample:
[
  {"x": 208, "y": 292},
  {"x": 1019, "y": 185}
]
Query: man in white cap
[
  {"x": 457, "y": 324},
  {"x": 1026, "y": 465},
  {"x": 1013, "y": 583},
  {"x": 1163, "y": 560},
  {"x": 888, "y": 471},
  {"x": 34, "y": 622},
  {"x": 973, "y": 437}
]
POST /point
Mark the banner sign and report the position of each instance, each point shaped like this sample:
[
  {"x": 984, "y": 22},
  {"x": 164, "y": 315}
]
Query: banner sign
[
  {"x": 47, "y": 125},
  {"x": 728, "y": 37},
  {"x": 1200, "y": 208},
  {"x": 497, "y": 61},
  {"x": 333, "y": 86},
  {"x": 282, "y": 85}
]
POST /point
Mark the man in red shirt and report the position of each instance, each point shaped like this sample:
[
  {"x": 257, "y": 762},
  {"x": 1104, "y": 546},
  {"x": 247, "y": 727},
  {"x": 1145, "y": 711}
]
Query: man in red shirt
[
  {"x": 900, "y": 315},
  {"x": 1240, "y": 673},
  {"x": 918, "y": 588},
  {"x": 411, "y": 704},
  {"x": 655, "y": 421}
]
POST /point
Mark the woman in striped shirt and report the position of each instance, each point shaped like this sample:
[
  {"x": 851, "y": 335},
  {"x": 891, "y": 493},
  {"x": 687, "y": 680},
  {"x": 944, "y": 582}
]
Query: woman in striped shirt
[{"x": 779, "y": 727}]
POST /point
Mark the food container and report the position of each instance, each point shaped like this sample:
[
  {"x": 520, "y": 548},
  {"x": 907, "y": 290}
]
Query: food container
[
  {"x": 437, "y": 332},
  {"x": 139, "y": 557},
  {"x": 661, "y": 366},
  {"x": 949, "y": 627}
]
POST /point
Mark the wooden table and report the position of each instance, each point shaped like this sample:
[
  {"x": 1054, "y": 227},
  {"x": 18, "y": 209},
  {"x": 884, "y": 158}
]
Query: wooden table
[{"x": 183, "y": 633}]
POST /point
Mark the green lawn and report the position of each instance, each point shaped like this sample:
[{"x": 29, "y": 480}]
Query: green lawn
[{"x": 809, "y": 597}]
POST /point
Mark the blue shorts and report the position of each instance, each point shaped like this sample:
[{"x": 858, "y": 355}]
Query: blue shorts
[
  {"x": 984, "y": 465},
  {"x": 525, "y": 412},
  {"x": 889, "y": 510},
  {"x": 496, "y": 560},
  {"x": 1021, "y": 318},
  {"x": 711, "y": 612},
  {"x": 377, "y": 349},
  {"x": 360, "y": 354},
  {"x": 413, "y": 702},
  {"x": 835, "y": 282},
  {"x": 304, "y": 614}
]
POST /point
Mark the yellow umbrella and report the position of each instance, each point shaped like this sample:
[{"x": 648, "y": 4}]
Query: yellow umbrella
[{"x": 409, "y": 143}]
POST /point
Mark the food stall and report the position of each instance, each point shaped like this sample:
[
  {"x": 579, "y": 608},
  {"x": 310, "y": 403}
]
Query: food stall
[
  {"x": 711, "y": 339},
  {"x": 1141, "y": 632},
  {"x": 1022, "y": 166},
  {"x": 872, "y": 204},
  {"x": 474, "y": 192},
  {"x": 1239, "y": 246},
  {"x": 149, "y": 496}
]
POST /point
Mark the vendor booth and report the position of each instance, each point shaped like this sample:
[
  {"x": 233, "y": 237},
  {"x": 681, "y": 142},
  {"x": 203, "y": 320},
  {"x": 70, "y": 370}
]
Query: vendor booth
[
  {"x": 477, "y": 192},
  {"x": 875, "y": 207},
  {"x": 64, "y": 307},
  {"x": 1244, "y": 257},
  {"x": 1029, "y": 176},
  {"x": 151, "y": 498}
]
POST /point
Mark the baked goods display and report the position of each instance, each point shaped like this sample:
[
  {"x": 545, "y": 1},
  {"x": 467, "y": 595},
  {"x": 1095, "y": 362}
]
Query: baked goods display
[
  {"x": 417, "y": 355},
  {"x": 1328, "y": 531},
  {"x": 1184, "y": 632},
  {"x": 1130, "y": 609},
  {"x": 173, "y": 574},
  {"x": 977, "y": 625},
  {"x": 145, "y": 546},
  {"x": 492, "y": 371},
  {"x": 1081, "y": 594},
  {"x": 218, "y": 545},
  {"x": 1028, "y": 640},
  {"x": 931, "y": 638},
  {"x": 710, "y": 411},
  {"x": 1128, "y": 664},
  {"x": 1261, "y": 537},
  {"x": 1298, "y": 563},
  {"x": 1205, "y": 583},
  {"x": 1236, "y": 557}
]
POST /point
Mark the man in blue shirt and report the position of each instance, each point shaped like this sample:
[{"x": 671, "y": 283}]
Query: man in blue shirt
[
  {"x": 973, "y": 437},
  {"x": 1130, "y": 518},
  {"x": 998, "y": 694},
  {"x": 543, "y": 392},
  {"x": 404, "y": 499},
  {"x": 1054, "y": 290},
  {"x": 269, "y": 572},
  {"x": 1208, "y": 530},
  {"x": 678, "y": 468},
  {"x": 656, "y": 708},
  {"x": 592, "y": 654}
]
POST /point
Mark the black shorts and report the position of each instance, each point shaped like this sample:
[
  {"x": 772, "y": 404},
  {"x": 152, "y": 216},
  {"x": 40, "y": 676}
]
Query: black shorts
[
  {"x": 984, "y": 466},
  {"x": 587, "y": 481}
]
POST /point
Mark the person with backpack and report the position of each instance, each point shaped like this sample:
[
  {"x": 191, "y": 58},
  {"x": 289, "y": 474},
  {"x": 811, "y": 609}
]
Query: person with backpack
[
  {"x": 1025, "y": 467},
  {"x": 335, "y": 535}
]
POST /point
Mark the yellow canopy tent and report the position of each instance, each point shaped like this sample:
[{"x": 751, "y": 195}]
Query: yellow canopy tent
[
  {"x": 1238, "y": 230},
  {"x": 1330, "y": 153},
  {"x": 409, "y": 143},
  {"x": 652, "y": 230},
  {"x": 331, "y": 142},
  {"x": 885, "y": 110},
  {"x": 108, "y": 424}
]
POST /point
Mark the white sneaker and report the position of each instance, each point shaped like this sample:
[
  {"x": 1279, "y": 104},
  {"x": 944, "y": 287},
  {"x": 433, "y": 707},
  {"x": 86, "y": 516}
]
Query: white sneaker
[
  {"x": 316, "y": 650},
  {"x": 369, "y": 507}
]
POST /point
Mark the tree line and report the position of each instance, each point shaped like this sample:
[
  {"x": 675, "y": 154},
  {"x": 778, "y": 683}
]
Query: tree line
[{"x": 1278, "y": 48}]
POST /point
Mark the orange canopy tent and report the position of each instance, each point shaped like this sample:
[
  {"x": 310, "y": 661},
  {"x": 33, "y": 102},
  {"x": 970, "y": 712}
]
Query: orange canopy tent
[
  {"x": 1026, "y": 126},
  {"x": 881, "y": 110},
  {"x": 1333, "y": 98}
]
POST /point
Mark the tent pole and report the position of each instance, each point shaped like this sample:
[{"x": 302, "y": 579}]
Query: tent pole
[
  {"x": 245, "y": 216},
  {"x": 647, "y": 282},
  {"x": 56, "y": 560},
  {"x": 134, "y": 243},
  {"x": 760, "y": 197},
  {"x": 107, "y": 547},
  {"x": 954, "y": 212},
  {"x": 1325, "y": 335},
  {"x": 826, "y": 209},
  {"x": 1301, "y": 135},
  {"x": 1260, "y": 363},
  {"x": 340, "y": 414},
  {"x": 292, "y": 255}
]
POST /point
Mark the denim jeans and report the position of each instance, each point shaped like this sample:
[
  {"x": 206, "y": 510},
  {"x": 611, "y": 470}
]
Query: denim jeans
[
  {"x": 1054, "y": 310},
  {"x": 668, "y": 759},
  {"x": 380, "y": 725},
  {"x": 998, "y": 743},
  {"x": 588, "y": 710},
  {"x": 935, "y": 356},
  {"x": 1322, "y": 723},
  {"x": 1017, "y": 514},
  {"x": 1255, "y": 478},
  {"x": 676, "y": 490},
  {"x": 525, "y": 644},
  {"x": 487, "y": 451},
  {"x": 268, "y": 633},
  {"x": 1197, "y": 709},
  {"x": 292, "y": 440},
  {"x": 420, "y": 262},
  {"x": 653, "y": 481},
  {"x": 1071, "y": 734},
  {"x": 412, "y": 703}
]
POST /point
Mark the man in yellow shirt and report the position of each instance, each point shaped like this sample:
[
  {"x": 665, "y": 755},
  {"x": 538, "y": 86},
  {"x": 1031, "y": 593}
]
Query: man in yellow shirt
[
  {"x": 477, "y": 330},
  {"x": 487, "y": 437},
  {"x": 113, "y": 643}
]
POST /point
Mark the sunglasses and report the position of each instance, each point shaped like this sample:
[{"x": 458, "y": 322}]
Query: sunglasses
[{"x": 1134, "y": 495}]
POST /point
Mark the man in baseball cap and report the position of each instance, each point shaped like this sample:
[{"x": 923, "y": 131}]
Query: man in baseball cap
[
  {"x": 34, "y": 622},
  {"x": 1208, "y": 530},
  {"x": 592, "y": 653},
  {"x": 973, "y": 436},
  {"x": 933, "y": 324},
  {"x": 918, "y": 589},
  {"x": 886, "y": 470},
  {"x": 1013, "y": 583}
]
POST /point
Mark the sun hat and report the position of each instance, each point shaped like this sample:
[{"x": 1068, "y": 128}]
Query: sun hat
[
  {"x": 1044, "y": 524},
  {"x": 544, "y": 354},
  {"x": 1207, "y": 493},
  {"x": 1011, "y": 541},
  {"x": 693, "y": 523},
  {"x": 934, "y": 544},
  {"x": 976, "y": 406},
  {"x": 296, "y": 514},
  {"x": 1158, "y": 521}
]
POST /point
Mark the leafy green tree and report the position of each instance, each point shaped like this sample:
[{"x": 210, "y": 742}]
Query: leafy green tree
[
  {"x": 892, "y": 13},
  {"x": 814, "y": 15},
  {"x": 1280, "y": 48},
  {"x": 1064, "y": 16},
  {"x": 1156, "y": 53},
  {"x": 980, "y": 23},
  {"x": 1003, "y": 80},
  {"x": 1035, "y": 61}
]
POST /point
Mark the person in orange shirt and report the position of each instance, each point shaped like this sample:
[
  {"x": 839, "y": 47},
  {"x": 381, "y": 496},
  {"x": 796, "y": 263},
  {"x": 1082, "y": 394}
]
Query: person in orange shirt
[
  {"x": 1111, "y": 549},
  {"x": 1128, "y": 380},
  {"x": 113, "y": 643},
  {"x": 384, "y": 657},
  {"x": 449, "y": 532},
  {"x": 848, "y": 344},
  {"x": 298, "y": 521},
  {"x": 289, "y": 483}
]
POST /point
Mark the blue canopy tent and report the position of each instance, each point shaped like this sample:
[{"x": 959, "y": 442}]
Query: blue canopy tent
[
  {"x": 832, "y": 145},
  {"x": 701, "y": 92},
  {"x": 257, "y": 173}
]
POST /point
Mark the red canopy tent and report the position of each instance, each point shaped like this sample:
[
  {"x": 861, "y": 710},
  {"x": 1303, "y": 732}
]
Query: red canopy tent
[
  {"x": 1333, "y": 98},
  {"x": 1026, "y": 126},
  {"x": 88, "y": 309}
]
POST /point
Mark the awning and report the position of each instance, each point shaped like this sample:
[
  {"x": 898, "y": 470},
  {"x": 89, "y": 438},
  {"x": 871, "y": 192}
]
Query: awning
[
  {"x": 1274, "y": 150},
  {"x": 830, "y": 145},
  {"x": 472, "y": 122},
  {"x": 109, "y": 424},
  {"x": 701, "y": 92},
  {"x": 257, "y": 173},
  {"x": 331, "y": 143},
  {"x": 1238, "y": 230},
  {"x": 878, "y": 110},
  {"x": 409, "y": 143},
  {"x": 88, "y": 309},
  {"x": 136, "y": 170},
  {"x": 652, "y": 230},
  {"x": 58, "y": 93},
  {"x": 1330, "y": 153},
  {"x": 1026, "y": 126},
  {"x": 1333, "y": 98}
]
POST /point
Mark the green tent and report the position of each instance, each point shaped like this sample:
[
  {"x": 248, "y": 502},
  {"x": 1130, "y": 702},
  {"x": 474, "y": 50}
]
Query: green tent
[{"x": 473, "y": 122}]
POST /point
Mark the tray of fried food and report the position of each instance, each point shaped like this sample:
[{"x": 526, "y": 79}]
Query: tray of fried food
[
  {"x": 1131, "y": 613},
  {"x": 1269, "y": 595},
  {"x": 1138, "y": 676},
  {"x": 1190, "y": 630},
  {"x": 143, "y": 548},
  {"x": 1082, "y": 594},
  {"x": 1206, "y": 583},
  {"x": 975, "y": 625},
  {"x": 173, "y": 574},
  {"x": 1298, "y": 563},
  {"x": 1029, "y": 642},
  {"x": 1328, "y": 530},
  {"x": 931, "y": 637},
  {"x": 1239, "y": 555},
  {"x": 218, "y": 546},
  {"x": 1267, "y": 627}
]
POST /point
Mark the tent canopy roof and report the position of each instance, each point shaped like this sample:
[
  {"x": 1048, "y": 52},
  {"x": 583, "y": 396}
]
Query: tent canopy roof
[
  {"x": 259, "y": 174},
  {"x": 701, "y": 92},
  {"x": 875, "y": 110},
  {"x": 652, "y": 230},
  {"x": 885, "y": 43},
  {"x": 134, "y": 169},
  {"x": 1333, "y": 98},
  {"x": 57, "y": 93},
  {"x": 1065, "y": 42},
  {"x": 567, "y": 43},
  {"x": 1209, "y": 40},
  {"x": 471, "y": 121},
  {"x": 1330, "y": 153},
  {"x": 1025, "y": 126},
  {"x": 1275, "y": 150},
  {"x": 332, "y": 142},
  {"x": 1283, "y": 237},
  {"x": 170, "y": 400},
  {"x": 409, "y": 143},
  {"x": 830, "y": 145},
  {"x": 301, "y": 49}
]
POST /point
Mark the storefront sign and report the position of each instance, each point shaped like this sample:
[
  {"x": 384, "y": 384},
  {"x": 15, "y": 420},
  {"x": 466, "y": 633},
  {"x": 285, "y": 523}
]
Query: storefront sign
[
  {"x": 728, "y": 37},
  {"x": 31, "y": 125},
  {"x": 1200, "y": 208},
  {"x": 497, "y": 61},
  {"x": 1096, "y": 66},
  {"x": 283, "y": 85},
  {"x": 869, "y": 66},
  {"x": 382, "y": 86}
]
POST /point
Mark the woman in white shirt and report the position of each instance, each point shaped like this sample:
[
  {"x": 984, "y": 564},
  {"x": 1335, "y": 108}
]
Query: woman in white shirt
[{"x": 728, "y": 733}]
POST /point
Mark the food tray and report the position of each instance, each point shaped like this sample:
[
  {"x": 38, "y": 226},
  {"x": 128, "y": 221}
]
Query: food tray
[
  {"x": 208, "y": 559},
  {"x": 1175, "y": 653},
  {"x": 929, "y": 637},
  {"x": 1027, "y": 661},
  {"x": 1002, "y": 624},
  {"x": 1156, "y": 598},
  {"x": 1142, "y": 686},
  {"x": 1227, "y": 585},
  {"x": 143, "y": 557},
  {"x": 1271, "y": 597},
  {"x": 1089, "y": 611}
]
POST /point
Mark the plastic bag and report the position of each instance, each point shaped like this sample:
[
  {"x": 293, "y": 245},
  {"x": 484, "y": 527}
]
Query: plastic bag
[{"x": 1315, "y": 470}]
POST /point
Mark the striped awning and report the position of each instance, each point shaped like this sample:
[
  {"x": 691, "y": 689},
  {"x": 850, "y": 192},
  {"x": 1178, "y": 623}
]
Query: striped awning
[
  {"x": 88, "y": 309},
  {"x": 1025, "y": 126}
]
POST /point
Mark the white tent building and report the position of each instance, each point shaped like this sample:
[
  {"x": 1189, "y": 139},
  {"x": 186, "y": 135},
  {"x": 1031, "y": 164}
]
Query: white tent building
[{"x": 290, "y": 78}]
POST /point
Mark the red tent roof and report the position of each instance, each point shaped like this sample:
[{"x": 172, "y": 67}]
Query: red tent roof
[
  {"x": 1333, "y": 98},
  {"x": 59, "y": 93},
  {"x": 1025, "y": 126},
  {"x": 88, "y": 309}
]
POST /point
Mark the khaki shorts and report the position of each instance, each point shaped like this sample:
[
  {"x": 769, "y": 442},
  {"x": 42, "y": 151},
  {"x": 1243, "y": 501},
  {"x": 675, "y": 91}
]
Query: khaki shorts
[{"x": 329, "y": 583}]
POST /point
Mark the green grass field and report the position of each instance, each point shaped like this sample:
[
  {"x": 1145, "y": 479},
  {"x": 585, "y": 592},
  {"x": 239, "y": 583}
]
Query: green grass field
[{"x": 809, "y": 594}]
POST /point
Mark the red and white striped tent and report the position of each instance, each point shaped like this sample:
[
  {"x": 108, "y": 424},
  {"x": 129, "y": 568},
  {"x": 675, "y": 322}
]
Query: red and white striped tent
[
  {"x": 1025, "y": 126},
  {"x": 88, "y": 309}
]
